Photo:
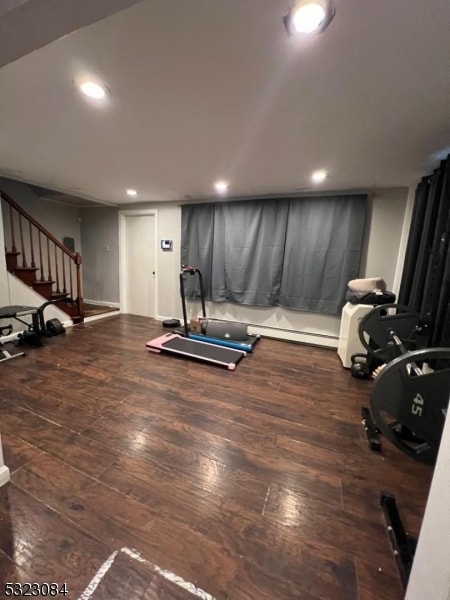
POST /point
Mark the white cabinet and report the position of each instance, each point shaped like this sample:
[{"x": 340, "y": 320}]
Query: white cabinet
[{"x": 349, "y": 342}]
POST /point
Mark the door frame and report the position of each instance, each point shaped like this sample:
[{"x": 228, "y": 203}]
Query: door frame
[{"x": 123, "y": 215}]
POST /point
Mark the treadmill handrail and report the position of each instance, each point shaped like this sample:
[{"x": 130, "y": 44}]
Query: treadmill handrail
[{"x": 192, "y": 271}]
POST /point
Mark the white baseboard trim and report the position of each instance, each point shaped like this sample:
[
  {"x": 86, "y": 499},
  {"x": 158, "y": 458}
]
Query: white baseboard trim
[
  {"x": 4, "y": 475},
  {"x": 102, "y": 303},
  {"x": 112, "y": 313}
]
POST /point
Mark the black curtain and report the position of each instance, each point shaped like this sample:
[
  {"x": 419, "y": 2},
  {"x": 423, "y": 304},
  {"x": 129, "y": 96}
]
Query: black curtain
[{"x": 425, "y": 284}]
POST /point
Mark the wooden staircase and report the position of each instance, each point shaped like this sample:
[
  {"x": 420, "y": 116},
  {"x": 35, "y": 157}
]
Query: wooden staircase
[{"x": 42, "y": 262}]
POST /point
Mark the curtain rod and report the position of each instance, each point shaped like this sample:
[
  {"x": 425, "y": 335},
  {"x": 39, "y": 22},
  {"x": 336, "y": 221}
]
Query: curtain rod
[{"x": 217, "y": 199}]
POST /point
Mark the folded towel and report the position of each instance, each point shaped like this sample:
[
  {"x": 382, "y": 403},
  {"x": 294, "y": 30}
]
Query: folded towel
[{"x": 367, "y": 285}]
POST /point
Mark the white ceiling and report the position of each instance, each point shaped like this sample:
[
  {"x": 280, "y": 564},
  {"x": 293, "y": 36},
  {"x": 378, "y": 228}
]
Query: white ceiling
[
  {"x": 210, "y": 89},
  {"x": 8, "y": 5}
]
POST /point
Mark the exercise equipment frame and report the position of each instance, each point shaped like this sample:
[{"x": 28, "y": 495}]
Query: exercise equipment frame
[{"x": 245, "y": 346}]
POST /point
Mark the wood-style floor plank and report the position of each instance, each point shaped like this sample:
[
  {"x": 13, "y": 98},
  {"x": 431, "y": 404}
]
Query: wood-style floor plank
[
  {"x": 253, "y": 484},
  {"x": 45, "y": 544},
  {"x": 17, "y": 452}
]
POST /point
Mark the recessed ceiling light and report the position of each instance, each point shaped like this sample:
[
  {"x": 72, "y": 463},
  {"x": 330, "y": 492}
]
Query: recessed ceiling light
[
  {"x": 221, "y": 186},
  {"x": 309, "y": 16},
  {"x": 93, "y": 90},
  {"x": 319, "y": 176},
  {"x": 131, "y": 192}
]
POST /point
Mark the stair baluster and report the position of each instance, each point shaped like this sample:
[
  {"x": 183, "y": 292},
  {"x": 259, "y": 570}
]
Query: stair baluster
[
  {"x": 50, "y": 278},
  {"x": 41, "y": 262},
  {"x": 33, "y": 264},
  {"x": 58, "y": 291},
  {"x": 71, "y": 282},
  {"x": 13, "y": 237},
  {"x": 79, "y": 284},
  {"x": 22, "y": 244},
  {"x": 64, "y": 273}
]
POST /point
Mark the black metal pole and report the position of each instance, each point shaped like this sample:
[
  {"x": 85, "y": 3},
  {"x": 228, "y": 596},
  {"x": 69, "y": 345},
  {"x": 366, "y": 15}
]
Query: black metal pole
[
  {"x": 183, "y": 302},
  {"x": 403, "y": 545},
  {"x": 202, "y": 292}
]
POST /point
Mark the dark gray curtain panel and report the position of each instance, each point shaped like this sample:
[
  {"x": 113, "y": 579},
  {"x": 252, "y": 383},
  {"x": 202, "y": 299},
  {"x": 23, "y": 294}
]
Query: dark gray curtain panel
[
  {"x": 298, "y": 253},
  {"x": 197, "y": 243},
  {"x": 248, "y": 252},
  {"x": 323, "y": 251}
]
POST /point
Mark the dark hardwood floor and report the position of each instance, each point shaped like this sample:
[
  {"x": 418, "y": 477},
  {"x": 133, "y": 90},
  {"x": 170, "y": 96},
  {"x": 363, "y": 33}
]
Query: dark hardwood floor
[{"x": 130, "y": 468}]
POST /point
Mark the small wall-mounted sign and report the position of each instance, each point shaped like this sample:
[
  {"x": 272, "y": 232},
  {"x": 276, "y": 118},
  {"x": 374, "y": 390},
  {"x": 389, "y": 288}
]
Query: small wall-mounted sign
[{"x": 166, "y": 245}]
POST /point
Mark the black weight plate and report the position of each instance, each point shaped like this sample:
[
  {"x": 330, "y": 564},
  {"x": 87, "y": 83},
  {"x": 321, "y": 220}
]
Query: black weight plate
[
  {"x": 375, "y": 327},
  {"x": 54, "y": 327},
  {"x": 401, "y": 398}
]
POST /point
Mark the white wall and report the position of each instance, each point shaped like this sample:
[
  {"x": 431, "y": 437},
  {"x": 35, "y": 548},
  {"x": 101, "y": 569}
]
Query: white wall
[
  {"x": 404, "y": 239},
  {"x": 99, "y": 229},
  {"x": 384, "y": 228},
  {"x": 430, "y": 575},
  {"x": 4, "y": 288},
  {"x": 168, "y": 263},
  {"x": 384, "y": 232},
  {"x": 4, "y": 471}
]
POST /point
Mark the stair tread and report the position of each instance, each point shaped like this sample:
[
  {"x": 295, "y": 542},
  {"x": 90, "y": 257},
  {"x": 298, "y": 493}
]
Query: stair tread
[
  {"x": 26, "y": 269},
  {"x": 7, "y": 253}
]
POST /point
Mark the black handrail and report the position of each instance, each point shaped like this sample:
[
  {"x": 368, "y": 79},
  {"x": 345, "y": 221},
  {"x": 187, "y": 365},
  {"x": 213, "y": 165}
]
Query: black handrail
[{"x": 192, "y": 271}]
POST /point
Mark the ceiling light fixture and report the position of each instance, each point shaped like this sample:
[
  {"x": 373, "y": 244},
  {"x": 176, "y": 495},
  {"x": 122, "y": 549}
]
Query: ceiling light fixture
[
  {"x": 94, "y": 90},
  {"x": 221, "y": 187},
  {"x": 131, "y": 192},
  {"x": 319, "y": 176},
  {"x": 309, "y": 16}
]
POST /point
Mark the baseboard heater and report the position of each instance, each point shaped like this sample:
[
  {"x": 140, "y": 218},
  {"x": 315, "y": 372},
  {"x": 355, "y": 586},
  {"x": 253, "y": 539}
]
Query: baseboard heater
[
  {"x": 293, "y": 335},
  {"x": 287, "y": 335}
]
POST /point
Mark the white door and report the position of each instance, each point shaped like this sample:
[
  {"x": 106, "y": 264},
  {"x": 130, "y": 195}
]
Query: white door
[{"x": 140, "y": 265}]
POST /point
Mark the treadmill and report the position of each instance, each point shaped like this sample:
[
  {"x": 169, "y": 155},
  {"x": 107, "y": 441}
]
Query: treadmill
[
  {"x": 228, "y": 334},
  {"x": 175, "y": 344}
]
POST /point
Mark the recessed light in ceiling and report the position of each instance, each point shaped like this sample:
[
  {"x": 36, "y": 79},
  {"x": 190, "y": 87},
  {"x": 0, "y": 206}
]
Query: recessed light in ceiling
[
  {"x": 131, "y": 192},
  {"x": 309, "y": 16},
  {"x": 221, "y": 186},
  {"x": 94, "y": 90},
  {"x": 319, "y": 176}
]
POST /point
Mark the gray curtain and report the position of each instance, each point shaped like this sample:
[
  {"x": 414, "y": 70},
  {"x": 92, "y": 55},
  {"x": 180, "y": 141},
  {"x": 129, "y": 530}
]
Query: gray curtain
[
  {"x": 197, "y": 244},
  {"x": 248, "y": 252},
  {"x": 298, "y": 253},
  {"x": 323, "y": 249}
]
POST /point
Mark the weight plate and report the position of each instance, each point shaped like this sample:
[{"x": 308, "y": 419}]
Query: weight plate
[
  {"x": 410, "y": 409},
  {"x": 375, "y": 328}
]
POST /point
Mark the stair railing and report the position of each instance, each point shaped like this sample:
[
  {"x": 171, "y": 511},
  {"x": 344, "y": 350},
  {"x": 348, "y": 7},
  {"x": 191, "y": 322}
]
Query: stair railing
[{"x": 37, "y": 243}]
